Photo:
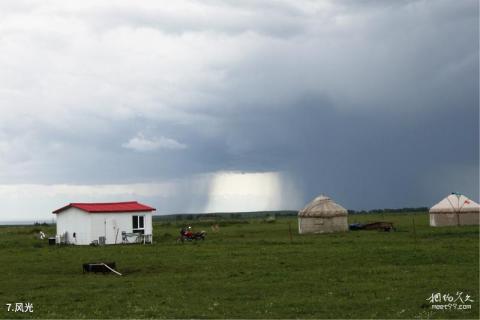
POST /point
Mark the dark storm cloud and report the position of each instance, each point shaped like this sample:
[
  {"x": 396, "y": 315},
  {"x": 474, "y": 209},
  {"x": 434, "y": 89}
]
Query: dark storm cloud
[{"x": 366, "y": 159}]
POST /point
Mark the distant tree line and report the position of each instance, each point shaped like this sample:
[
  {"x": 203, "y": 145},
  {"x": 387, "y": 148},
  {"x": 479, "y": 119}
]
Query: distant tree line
[
  {"x": 265, "y": 214},
  {"x": 225, "y": 215},
  {"x": 389, "y": 210}
]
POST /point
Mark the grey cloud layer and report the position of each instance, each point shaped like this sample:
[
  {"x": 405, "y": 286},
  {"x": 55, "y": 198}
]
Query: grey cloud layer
[{"x": 375, "y": 103}]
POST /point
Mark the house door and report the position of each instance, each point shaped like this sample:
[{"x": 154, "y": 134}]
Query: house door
[{"x": 111, "y": 230}]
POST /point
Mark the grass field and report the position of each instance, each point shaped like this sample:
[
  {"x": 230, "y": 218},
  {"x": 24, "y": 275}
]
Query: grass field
[{"x": 248, "y": 270}]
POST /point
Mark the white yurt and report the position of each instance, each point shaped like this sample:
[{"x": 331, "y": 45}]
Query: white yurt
[
  {"x": 454, "y": 210},
  {"x": 322, "y": 215}
]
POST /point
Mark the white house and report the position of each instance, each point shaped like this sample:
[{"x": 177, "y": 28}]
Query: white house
[{"x": 109, "y": 223}]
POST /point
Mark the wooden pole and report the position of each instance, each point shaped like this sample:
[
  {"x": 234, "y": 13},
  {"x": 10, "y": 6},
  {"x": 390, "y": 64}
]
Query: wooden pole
[
  {"x": 414, "y": 229},
  {"x": 290, "y": 231}
]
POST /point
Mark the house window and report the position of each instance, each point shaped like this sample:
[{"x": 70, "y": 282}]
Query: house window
[{"x": 138, "y": 224}]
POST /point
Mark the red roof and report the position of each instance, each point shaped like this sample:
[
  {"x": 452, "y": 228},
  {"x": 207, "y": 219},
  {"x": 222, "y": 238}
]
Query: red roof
[{"x": 108, "y": 207}]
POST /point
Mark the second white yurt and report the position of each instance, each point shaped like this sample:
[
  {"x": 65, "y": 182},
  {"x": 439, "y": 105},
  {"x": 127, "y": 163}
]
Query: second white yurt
[
  {"x": 454, "y": 210},
  {"x": 322, "y": 215}
]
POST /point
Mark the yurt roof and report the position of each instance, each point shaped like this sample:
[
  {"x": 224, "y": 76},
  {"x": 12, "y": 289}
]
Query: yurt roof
[
  {"x": 322, "y": 206},
  {"x": 455, "y": 203}
]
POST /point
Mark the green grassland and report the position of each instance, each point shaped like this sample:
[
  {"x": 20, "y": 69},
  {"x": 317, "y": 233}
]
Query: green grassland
[{"x": 249, "y": 269}]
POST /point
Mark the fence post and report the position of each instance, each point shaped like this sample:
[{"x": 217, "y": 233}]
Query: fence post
[
  {"x": 290, "y": 231},
  {"x": 414, "y": 229}
]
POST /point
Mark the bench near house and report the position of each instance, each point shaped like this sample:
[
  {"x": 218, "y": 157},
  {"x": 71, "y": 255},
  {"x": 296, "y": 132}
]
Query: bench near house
[{"x": 104, "y": 223}]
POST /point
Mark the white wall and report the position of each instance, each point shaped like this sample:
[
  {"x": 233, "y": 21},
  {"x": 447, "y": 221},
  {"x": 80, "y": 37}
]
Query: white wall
[
  {"x": 322, "y": 225},
  {"x": 111, "y": 225},
  {"x": 73, "y": 220},
  {"x": 454, "y": 219}
]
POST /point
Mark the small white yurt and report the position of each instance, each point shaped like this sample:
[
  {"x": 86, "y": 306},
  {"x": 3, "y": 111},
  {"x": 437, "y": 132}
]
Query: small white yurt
[
  {"x": 322, "y": 215},
  {"x": 454, "y": 210}
]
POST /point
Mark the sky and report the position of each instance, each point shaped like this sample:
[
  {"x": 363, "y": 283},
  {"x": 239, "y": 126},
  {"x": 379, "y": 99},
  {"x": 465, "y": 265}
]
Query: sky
[{"x": 204, "y": 106}]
